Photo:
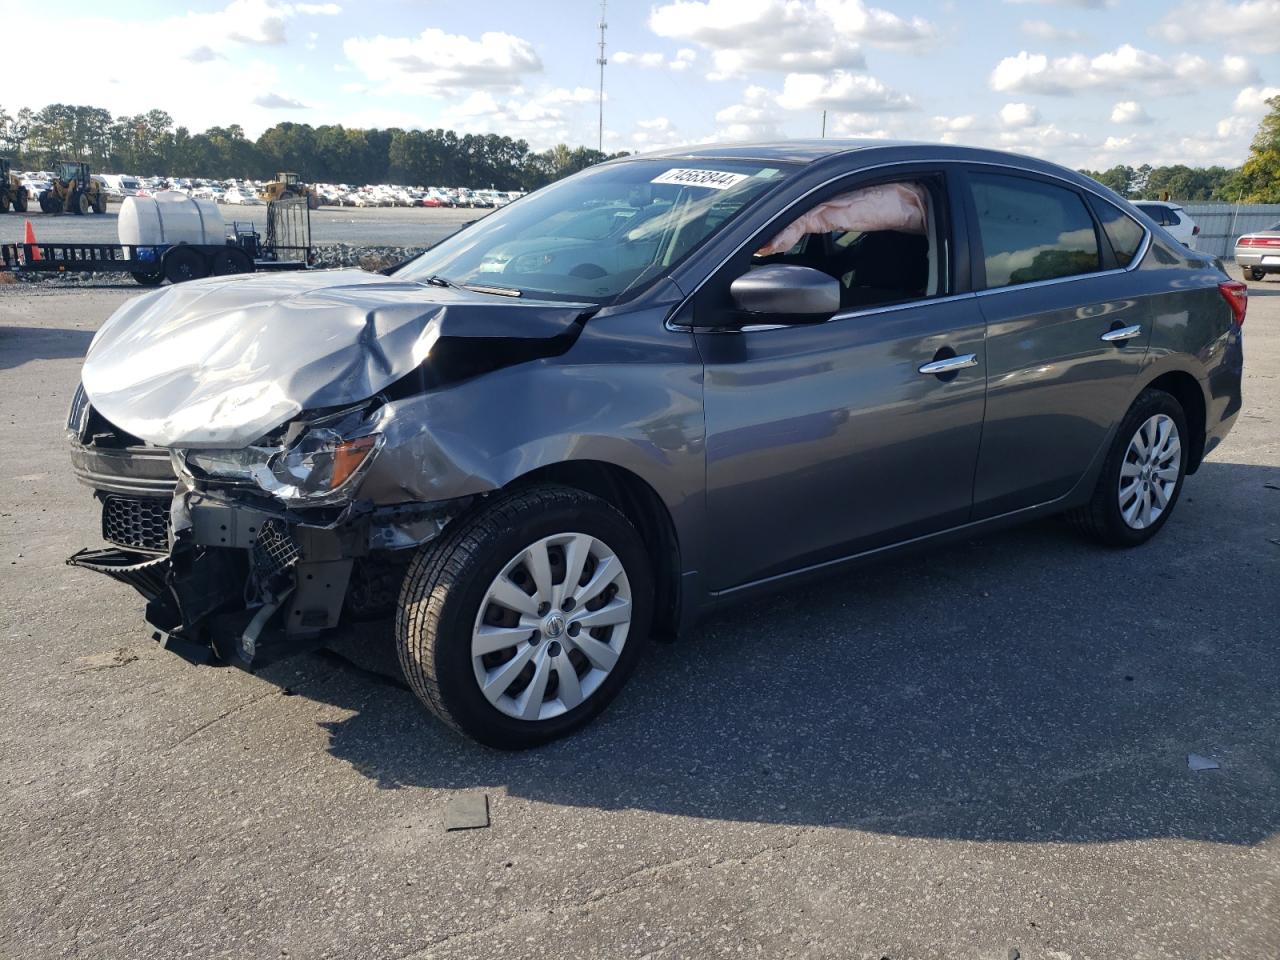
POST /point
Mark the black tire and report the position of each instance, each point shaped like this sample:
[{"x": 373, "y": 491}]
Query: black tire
[
  {"x": 151, "y": 278},
  {"x": 80, "y": 203},
  {"x": 1101, "y": 518},
  {"x": 20, "y": 201},
  {"x": 450, "y": 577},
  {"x": 230, "y": 261},
  {"x": 48, "y": 203},
  {"x": 4, "y": 204},
  {"x": 100, "y": 203},
  {"x": 1253, "y": 273},
  {"x": 183, "y": 263}
]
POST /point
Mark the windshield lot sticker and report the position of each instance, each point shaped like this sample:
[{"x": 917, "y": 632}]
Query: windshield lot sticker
[{"x": 715, "y": 179}]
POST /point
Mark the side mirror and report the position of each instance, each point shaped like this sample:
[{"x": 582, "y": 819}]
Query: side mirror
[{"x": 786, "y": 289}]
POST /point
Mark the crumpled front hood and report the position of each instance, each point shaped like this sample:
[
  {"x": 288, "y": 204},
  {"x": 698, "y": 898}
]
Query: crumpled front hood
[{"x": 219, "y": 362}]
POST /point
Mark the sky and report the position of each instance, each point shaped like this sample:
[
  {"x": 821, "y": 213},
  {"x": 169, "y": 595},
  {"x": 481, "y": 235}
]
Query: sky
[{"x": 1086, "y": 83}]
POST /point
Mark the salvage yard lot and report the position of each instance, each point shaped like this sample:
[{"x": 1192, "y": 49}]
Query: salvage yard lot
[
  {"x": 392, "y": 226},
  {"x": 949, "y": 755}
]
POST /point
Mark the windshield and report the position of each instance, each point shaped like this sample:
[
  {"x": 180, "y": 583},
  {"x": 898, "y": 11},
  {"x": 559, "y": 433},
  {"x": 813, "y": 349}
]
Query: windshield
[{"x": 600, "y": 234}]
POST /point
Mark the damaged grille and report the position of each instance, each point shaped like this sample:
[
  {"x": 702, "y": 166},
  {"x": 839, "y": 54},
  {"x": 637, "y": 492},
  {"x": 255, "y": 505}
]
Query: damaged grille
[
  {"x": 138, "y": 522},
  {"x": 274, "y": 550}
]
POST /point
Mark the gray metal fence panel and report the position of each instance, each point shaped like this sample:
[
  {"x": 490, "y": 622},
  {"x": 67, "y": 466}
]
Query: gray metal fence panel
[{"x": 1221, "y": 223}]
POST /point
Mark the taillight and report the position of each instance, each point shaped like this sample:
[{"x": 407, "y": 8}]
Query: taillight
[{"x": 1237, "y": 296}]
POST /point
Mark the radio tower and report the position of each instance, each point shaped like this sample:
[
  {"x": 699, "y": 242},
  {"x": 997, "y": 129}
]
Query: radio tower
[{"x": 602, "y": 60}]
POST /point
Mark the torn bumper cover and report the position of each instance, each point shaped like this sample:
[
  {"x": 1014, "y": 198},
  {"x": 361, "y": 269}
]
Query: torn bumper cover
[{"x": 253, "y": 584}]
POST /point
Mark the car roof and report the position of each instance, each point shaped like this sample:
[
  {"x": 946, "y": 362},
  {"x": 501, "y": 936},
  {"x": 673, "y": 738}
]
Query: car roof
[{"x": 864, "y": 152}]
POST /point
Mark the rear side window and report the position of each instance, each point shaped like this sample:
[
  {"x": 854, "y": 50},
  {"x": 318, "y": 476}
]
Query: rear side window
[
  {"x": 1124, "y": 232},
  {"x": 1031, "y": 230}
]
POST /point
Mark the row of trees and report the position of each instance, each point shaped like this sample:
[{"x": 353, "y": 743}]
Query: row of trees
[
  {"x": 149, "y": 144},
  {"x": 1257, "y": 181}
]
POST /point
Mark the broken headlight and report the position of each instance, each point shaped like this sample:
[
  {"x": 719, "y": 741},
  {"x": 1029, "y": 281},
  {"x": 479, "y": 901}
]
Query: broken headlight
[{"x": 315, "y": 464}]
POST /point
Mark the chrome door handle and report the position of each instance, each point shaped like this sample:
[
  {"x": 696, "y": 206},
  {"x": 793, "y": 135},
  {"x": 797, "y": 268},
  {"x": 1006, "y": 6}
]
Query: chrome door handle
[
  {"x": 951, "y": 364},
  {"x": 1122, "y": 333}
]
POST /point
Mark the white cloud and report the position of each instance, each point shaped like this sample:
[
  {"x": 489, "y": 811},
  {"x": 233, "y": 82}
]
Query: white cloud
[
  {"x": 1252, "y": 25},
  {"x": 1080, "y": 4},
  {"x": 1015, "y": 115},
  {"x": 839, "y": 90},
  {"x": 681, "y": 60},
  {"x": 1129, "y": 111},
  {"x": 211, "y": 74},
  {"x": 1119, "y": 70},
  {"x": 794, "y": 36},
  {"x": 755, "y": 118},
  {"x": 639, "y": 59},
  {"x": 436, "y": 63},
  {"x": 1049, "y": 33},
  {"x": 276, "y": 101},
  {"x": 955, "y": 124},
  {"x": 1253, "y": 100}
]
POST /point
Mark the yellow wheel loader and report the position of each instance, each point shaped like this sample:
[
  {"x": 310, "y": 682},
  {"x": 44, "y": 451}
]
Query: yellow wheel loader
[
  {"x": 13, "y": 195},
  {"x": 73, "y": 190},
  {"x": 288, "y": 185}
]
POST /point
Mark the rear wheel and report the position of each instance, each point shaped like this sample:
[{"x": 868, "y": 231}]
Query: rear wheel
[
  {"x": 100, "y": 203},
  {"x": 148, "y": 278},
  {"x": 183, "y": 263},
  {"x": 230, "y": 261},
  {"x": 1142, "y": 476},
  {"x": 20, "y": 201},
  {"x": 523, "y": 621},
  {"x": 1253, "y": 273}
]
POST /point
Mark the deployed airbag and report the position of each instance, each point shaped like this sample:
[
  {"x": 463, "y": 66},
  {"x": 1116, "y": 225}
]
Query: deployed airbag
[{"x": 886, "y": 206}]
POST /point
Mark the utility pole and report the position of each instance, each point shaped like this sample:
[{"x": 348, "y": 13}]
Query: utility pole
[
  {"x": 602, "y": 60},
  {"x": 824, "y": 124}
]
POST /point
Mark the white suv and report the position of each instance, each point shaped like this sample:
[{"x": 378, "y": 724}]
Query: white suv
[{"x": 1173, "y": 218}]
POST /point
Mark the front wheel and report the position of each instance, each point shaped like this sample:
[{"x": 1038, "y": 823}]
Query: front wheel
[
  {"x": 524, "y": 620},
  {"x": 1142, "y": 476}
]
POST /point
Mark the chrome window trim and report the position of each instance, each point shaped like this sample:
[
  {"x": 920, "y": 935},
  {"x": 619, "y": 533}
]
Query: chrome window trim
[{"x": 1133, "y": 264}]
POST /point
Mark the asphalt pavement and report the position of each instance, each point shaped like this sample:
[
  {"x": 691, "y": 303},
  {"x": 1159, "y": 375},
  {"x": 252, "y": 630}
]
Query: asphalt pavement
[{"x": 960, "y": 754}]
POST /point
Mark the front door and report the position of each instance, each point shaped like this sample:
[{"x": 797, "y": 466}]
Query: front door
[{"x": 825, "y": 438}]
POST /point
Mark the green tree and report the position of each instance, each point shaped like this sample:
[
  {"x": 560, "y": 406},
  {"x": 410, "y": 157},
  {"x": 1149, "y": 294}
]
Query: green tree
[{"x": 1259, "y": 179}]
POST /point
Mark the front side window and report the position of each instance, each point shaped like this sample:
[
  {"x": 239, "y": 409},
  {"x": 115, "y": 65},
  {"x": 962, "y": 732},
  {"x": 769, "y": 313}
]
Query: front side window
[
  {"x": 881, "y": 242},
  {"x": 1031, "y": 230},
  {"x": 601, "y": 234}
]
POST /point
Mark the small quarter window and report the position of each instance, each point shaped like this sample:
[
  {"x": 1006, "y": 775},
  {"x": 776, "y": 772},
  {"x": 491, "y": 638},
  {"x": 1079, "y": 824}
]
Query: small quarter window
[
  {"x": 1122, "y": 230},
  {"x": 1032, "y": 230}
]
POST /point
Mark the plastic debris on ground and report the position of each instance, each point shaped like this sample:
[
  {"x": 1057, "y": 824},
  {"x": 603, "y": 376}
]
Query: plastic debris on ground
[{"x": 467, "y": 811}]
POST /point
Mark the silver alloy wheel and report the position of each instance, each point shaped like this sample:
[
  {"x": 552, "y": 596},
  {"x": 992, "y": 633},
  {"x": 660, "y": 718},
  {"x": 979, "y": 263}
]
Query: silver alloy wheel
[
  {"x": 1149, "y": 473},
  {"x": 551, "y": 626}
]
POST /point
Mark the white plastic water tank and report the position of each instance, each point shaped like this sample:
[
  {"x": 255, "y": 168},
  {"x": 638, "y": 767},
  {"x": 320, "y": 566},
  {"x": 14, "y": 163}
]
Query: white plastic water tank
[{"x": 170, "y": 217}]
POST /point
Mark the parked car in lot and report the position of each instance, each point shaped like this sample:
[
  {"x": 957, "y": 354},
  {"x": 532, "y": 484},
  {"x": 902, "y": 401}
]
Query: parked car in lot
[
  {"x": 655, "y": 387},
  {"x": 1173, "y": 218},
  {"x": 1258, "y": 253}
]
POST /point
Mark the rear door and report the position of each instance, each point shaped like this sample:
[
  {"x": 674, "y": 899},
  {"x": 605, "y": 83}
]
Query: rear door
[{"x": 1065, "y": 336}]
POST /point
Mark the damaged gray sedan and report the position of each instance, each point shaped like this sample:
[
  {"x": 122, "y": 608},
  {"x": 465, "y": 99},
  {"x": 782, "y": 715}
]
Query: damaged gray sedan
[{"x": 664, "y": 383}]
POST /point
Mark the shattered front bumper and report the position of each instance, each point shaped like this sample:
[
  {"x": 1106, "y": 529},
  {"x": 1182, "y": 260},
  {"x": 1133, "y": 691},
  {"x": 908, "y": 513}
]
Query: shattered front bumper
[{"x": 250, "y": 584}]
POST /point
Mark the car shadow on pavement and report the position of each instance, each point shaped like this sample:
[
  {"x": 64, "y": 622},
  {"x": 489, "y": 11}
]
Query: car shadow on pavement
[
  {"x": 19, "y": 345},
  {"x": 1025, "y": 686}
]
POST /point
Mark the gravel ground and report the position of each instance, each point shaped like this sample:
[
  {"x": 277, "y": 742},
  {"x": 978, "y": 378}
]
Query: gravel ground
[
  {"x": 954, "y": 755},
  {"x": 359, "y": 226}
]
